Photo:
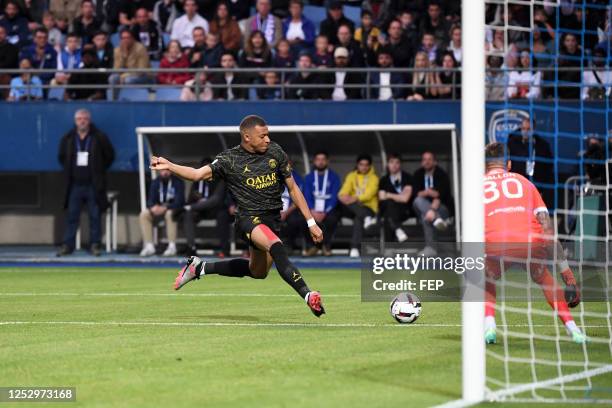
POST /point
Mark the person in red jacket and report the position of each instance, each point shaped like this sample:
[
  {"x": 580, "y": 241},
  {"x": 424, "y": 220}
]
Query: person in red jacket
[{"x": 174, "y": 58}]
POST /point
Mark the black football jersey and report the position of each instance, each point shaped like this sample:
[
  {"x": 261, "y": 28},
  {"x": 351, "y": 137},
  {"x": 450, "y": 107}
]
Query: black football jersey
[{"x": 255, "y": 181}]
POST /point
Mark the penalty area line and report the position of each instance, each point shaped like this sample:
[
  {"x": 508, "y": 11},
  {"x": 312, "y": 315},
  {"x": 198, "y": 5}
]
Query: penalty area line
[
  {"x": 172, "y": 294},
  {"x": 215, "y": 324}
]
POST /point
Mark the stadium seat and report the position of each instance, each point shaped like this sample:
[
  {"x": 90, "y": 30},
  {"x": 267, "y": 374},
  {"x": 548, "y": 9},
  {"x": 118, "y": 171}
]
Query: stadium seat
[
  {"x": 315, "y": 14},
  {"x": 56, "y": 93},
  {"x": 134, "y": 94},
  {"x": 353, "y": 14},
  {"x": 155, "y": 64},
  {"x": 114, "y": 39},
  {"x": 168, "y": 94}
]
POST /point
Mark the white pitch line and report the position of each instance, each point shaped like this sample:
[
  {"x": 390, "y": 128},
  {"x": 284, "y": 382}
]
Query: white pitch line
[
  {"x": 205, "y": 294},
  {"x": 233, "y": 324}
]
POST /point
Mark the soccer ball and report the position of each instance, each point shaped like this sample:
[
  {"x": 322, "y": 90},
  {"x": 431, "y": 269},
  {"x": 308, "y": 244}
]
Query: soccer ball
[{"x": 405, "y": 308}]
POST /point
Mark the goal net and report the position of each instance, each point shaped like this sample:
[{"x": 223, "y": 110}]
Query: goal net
[{"x": 548, "y": 52}]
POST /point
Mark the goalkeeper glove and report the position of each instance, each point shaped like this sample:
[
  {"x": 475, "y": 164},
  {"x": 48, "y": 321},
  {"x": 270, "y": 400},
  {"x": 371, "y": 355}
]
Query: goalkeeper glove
[{"x": 572, "y": 293}]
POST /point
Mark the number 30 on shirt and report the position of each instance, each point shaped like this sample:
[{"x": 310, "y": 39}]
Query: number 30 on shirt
[{"x": 510, "y": 188}]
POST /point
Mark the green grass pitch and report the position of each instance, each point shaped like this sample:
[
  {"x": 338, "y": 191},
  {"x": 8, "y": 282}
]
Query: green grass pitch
[{"x": 123, "y": 337}]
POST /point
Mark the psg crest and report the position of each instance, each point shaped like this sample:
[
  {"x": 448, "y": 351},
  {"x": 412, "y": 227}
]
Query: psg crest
[{"x": 504, "y": 122}]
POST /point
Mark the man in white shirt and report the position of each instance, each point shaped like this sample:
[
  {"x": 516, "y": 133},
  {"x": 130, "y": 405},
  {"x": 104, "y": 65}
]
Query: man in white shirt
[
  {"x": 182, "y": 29},
  {"x": 597, "y": 81},
  {"x": 341, "y": 92}
]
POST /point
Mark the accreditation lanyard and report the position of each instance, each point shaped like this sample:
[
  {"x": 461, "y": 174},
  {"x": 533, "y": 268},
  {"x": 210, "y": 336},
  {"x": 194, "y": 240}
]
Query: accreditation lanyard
[
  {"x": 203, "y": 189},
  {"x": 397, "y": 184},
  {"x": 319, "y": 194},
  {"x": 429, "y": 181},
  {"x": 168, "y": 195},
  {"x": 82, "y": 156},
  {"x": 360, "y": 188}
]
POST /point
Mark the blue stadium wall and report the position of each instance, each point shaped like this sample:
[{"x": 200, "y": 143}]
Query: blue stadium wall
[{"x": 30, "y": 132}]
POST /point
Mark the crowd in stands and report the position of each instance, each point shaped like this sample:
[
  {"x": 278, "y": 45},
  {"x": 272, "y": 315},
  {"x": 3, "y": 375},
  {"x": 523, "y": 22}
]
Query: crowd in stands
[{"x": 416, "y": 34}]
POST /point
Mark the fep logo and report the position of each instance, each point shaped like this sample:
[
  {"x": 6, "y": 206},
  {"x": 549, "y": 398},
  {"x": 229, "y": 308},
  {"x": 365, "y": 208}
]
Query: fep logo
[{"x": 504, "y": 122}]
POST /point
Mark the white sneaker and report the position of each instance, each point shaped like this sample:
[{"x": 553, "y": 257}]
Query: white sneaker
[
  {"x": 147, "y": 250},
  {"x": 171, "y": 250},
  {"x": 440, "y": 224},
  {"x": 354, "y": 253},
  {"x": 368, "y": 222},
  {"x": 400, "y": 235}
]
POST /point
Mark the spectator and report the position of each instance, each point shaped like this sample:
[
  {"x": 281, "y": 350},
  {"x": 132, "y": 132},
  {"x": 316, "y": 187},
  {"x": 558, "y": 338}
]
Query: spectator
[
  {"x": 359, "y": 199},
  {"x": 65, "y": 10},
  {"x": 16, "y": 26},
  {"x": 429, "y": 47},
  {"x": 147, "y": 32},
  {"x": 594, "y": 158},
  {"x": 298, "y": 29},
  {"x": 198, "y": 48},
  {"x": 68, "y": 59},
  {"x": 26, "y": 86},
  {"x": 182, "y": 28},
  {"x": 433, "y": 202},
  {"x": 9, "y": 59},
  {"x": 321, "y": 187},
  {"x": 207, "y": 201},
  {"x": 335, "y": 18},
  {"x": 211, "y": 57},
  {"x": 394, "y": 194},
  {"x": 380, "y": 11},
  {"x": 530, "y": 155},
  {"x": 32, "y": 10},
  {"x": 104, "y": 49},
  {"x": 343, "y": 78},
  {"x": 597, "y": 80},
  {"x": 130, "y": 54},
  {"x": 174, "y": 58},
  {"x": 272, "y": 90},
  {"x": 448, "y": 81},
  {"x": 227, "y": 81},
  {"x": 256, "y": 54},
  {"x": 435, "y": 23},
  {"x": 197, "y": 89},
  {"x": 422, "y": 79},
  {"x": 164, "y": 13},
  {"x": 283, "y": 57},
  {"x": 345, "y": 39},
  {"x": 400, "y": 48},
  {"x": 322, "y": 56},
  {"x": 85, "y": 154},
  {"x": 166, "y": 196},
  {"x": 266, "y": 23},
  {"x": 455, "y": 43},
  {"x": 89, "y": 61},
  {"x": 525, "y": 82},
  {"x": 305, "y": 77},
  {"x": 570, "y": 58},
  {"x": 108, "y": 11},
  {"x": 384, "y": 84},
  {"x": 128, "y": 9},
  {"x": 496, "y": 80},
  {"x": 41, "y": 54},
  {"x": 367, "y": 35},
  {"x": 409, "y": 28},
  {"x": 86, "y": 24},
  {"x": 56, "y": 38},
  {"x": 497, "y": 43},
  {"x": 226, "y": 27},
  {"x": 240, "y": 10}
]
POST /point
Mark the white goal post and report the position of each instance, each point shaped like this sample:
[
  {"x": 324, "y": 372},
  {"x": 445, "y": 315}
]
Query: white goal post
[{"x": 380, "y": 145}]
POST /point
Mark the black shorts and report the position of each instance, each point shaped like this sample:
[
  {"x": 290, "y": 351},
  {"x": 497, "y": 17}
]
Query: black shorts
[{"x": 245, "y": 224}]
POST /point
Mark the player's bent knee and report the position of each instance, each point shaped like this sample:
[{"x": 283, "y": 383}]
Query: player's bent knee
[{"x": 258, "y": 271}]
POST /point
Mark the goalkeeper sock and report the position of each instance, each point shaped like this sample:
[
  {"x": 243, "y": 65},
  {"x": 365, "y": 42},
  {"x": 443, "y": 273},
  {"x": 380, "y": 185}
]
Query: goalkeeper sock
[
  {"x": 287, "y": 270},
  {"x": 554, "y": 296},
  {"x": 490, "y": 299},
  {"x": 490, "y": 323},
  {"x": 236, "y": 268},
  {"x": 570, "y": 326}
]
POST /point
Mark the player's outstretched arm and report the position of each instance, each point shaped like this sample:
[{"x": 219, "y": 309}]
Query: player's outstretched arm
[
  {"x": 188, "y": 173},
  {"x": 300, "y": 202}
]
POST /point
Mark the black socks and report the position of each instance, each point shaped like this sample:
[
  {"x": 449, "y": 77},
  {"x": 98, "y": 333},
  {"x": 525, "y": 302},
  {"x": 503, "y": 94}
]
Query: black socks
[
  {"x": 236, "y": 268},
  {"x": 287, "y": 270}
]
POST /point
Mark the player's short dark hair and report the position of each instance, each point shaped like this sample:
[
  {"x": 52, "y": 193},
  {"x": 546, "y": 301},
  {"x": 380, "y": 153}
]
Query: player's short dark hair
[
  {"x": 495, "y": 152},
  {"x": 364, "y": 156},
  {"x": 250, "y": 122},
  {"x": 323, "y": 152},
  {"x": 394, "y": 155}
]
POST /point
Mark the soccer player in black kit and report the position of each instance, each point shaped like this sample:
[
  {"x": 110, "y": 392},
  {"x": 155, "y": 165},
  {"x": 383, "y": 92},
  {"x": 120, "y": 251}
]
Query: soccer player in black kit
[{"x": 256, "y": 173}]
